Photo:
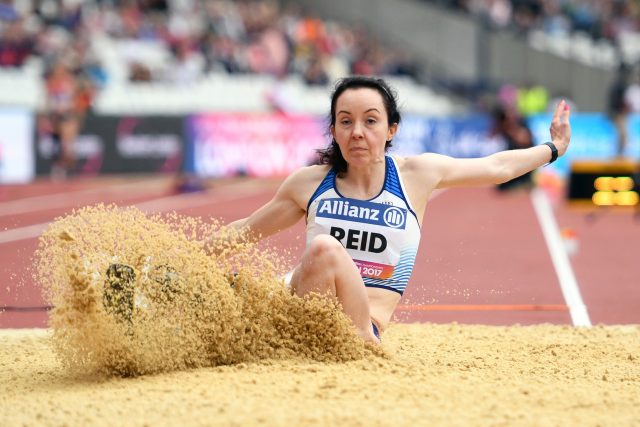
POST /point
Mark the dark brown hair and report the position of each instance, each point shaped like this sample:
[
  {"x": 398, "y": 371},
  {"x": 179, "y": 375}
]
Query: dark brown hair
[{"x": 332, "y": 155}]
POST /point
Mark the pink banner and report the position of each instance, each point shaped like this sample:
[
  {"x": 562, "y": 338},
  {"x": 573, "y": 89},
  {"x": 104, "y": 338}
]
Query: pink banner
[
  {"x": 374, "y": 270},
  {"x": 260, "y": 145}
]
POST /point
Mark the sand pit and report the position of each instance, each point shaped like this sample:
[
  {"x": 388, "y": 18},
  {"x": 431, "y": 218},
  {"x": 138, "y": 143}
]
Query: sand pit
[
  {"x": 149, "y": 329},
  {"x": 438, "y": 375}
]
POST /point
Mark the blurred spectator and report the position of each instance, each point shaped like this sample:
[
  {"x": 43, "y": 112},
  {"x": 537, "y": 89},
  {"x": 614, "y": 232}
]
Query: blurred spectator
[
  {"x": 508, "y": 96},
  {"x": 554, "y": 21},
  {"x": 496, "y": 13},
  {"x": 598, "y": 18},
  {"x": 188, "y": 38},
  {"x": 221, "y": 54},
  {"x": 632, "y": 101},
  {"x": 257, "y": 36},
  {"x": 269, "y": 53},
  {"x": 63, "y": 125},
  {"x": 525, "y": 101},
  {"x": 7, "y": 11},
  {"x": 15, "y": 45},
  {"x": 618, "y": 106},
  {"x": 315, "y": 73},
  {"x": 632, "y": 93},
  {"x": 527, "y": 14},
  {"x": 68, "y": 97},
  {"x": 623, "y": 18},
  {"x": 508, "y": 126},
  {"x": 533, "y": 99},
  {"x": 188, "y": 64},
  {"x": 139, "y": 73},
  {"x": 188, "y": 183}
]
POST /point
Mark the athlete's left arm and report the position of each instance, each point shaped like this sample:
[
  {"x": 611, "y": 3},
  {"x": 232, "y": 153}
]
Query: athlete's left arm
[{"x": 499, "y": 167}]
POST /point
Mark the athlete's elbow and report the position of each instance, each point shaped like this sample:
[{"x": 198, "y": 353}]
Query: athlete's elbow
[{"x": 502, "y": 177}]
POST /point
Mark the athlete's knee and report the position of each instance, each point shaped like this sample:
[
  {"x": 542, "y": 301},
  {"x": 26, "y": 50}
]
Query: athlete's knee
[{"x": 325, "y": 247}]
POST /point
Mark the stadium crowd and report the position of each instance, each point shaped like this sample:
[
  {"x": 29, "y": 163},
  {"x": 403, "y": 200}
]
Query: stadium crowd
[
  {"x": 257, "y": 36},
  {"x": 607, "y": 19},
  {"x": 82, "y": 46}
]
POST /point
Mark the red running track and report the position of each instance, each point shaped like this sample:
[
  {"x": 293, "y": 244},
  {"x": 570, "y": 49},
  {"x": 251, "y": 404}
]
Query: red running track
[{"x": 483, "y": 257}]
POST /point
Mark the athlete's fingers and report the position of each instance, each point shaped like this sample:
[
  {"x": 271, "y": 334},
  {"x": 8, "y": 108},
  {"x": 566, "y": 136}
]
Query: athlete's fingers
[
  {"x": 558, "y": 111},
  {"x": 566, "y": 112}
]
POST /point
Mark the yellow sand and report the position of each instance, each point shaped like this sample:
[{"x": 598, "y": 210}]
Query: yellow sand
[
  {"x": 438, "y": 375},
  {"x": 201, "y": 346},
  {"x": 209, "y": 310}
]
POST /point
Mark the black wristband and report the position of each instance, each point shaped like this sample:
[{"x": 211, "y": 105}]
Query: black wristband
[{"x": 554, "y": 151}]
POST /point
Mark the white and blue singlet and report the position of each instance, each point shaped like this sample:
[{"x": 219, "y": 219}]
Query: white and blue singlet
[{"x": 381, "y": 234}]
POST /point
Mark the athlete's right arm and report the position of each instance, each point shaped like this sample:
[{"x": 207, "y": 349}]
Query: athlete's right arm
[{"x": 283, "y": 211}]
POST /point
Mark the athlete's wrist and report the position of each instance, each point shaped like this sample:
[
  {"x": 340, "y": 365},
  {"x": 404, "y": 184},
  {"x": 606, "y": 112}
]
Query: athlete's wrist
[{"x": 554, "y": 152}]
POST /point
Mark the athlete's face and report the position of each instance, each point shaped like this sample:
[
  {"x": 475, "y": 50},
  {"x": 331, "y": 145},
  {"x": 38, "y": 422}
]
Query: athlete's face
[{"x": 361, "y": 126}]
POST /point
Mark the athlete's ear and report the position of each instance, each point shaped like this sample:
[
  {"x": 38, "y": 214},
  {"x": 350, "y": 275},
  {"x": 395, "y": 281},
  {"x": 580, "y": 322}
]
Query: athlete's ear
[
  {"x": 333, "y": 131},
  {"x": 392, "y": 131}
]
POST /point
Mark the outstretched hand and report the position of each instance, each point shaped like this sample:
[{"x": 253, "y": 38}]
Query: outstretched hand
[{"x": 561, "y": 128}]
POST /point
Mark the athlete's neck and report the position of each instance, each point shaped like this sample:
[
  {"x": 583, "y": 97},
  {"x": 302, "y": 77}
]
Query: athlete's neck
[{"x": 362, "y": 182}]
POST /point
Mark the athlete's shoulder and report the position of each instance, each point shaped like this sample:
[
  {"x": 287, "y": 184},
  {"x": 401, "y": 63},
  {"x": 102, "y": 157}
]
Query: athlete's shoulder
[
  {"x": 421, "y": 173},
  {"x": 302, "y": 183},
  {"x": 315, "y": 171},
  {"x": 309, "y": 175}
]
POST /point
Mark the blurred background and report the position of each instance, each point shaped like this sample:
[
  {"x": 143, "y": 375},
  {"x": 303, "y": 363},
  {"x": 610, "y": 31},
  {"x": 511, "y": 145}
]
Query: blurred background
[
  {"x": 142, "y": 102},
  {"x": 186, "y": 86}
]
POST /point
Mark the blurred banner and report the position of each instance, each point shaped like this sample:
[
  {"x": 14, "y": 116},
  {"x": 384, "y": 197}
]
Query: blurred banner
[
  {"x": 17, "y": 164},
  {"x": 108, "y": 144},
  {"x": 259, "y": 145},
  {"x": 262, "y": 145},
  {"x": 593, "y": 137},
  {"x": 275, "y": 145},
  {"x": 465, "y": 136}
]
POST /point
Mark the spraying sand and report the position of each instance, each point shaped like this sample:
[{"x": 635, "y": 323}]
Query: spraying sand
[
  {"x": 137, "y": 295},
  {"x": 150, "y": 330}
]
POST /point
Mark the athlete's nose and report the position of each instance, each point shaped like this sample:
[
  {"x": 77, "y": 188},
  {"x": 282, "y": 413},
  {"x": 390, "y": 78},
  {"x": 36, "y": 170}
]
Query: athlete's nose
[{"x": 357, "y": 130}]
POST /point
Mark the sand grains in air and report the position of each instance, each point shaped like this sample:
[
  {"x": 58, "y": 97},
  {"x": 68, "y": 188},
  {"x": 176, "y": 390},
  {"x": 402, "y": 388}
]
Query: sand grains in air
[{"x": 134, "y": 294}]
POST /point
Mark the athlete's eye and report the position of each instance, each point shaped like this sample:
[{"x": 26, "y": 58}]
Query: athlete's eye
[
  {"x": 371, "y": 121},
  {"x": 346, "y": 122}
]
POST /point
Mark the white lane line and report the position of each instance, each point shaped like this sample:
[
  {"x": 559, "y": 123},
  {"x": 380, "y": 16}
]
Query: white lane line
[
  {"x": 568, "y": 282},
  {"x": 177, "y": 202},
  {"x": 171, "y": 203},
  {"x": 73, "y": 198},
  {"x": 194, "y": 200},
  {"x": 22, "y": 233}
]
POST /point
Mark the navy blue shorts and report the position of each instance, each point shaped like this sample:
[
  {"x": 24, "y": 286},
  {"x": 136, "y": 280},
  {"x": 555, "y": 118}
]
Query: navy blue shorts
[{"x": 375, "y": 330}]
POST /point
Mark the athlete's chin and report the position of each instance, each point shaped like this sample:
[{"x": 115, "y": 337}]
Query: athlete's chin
[{"x": 359, "y": 157}]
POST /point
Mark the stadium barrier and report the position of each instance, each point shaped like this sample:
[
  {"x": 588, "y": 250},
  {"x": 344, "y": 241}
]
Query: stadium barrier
[
  {"x": 120, "y": 144},
  {"x": 593, "y": 137},
  {"x": 259, "y": 145},
  {"x": 17, "y": 163},
  {"x": 273, "y": 144},
  {"x": 262, "y": 144}
]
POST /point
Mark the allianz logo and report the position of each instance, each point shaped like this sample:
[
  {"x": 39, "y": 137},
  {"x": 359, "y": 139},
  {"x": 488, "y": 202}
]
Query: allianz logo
[
  {"x": 393, "y": 217},
  {"x": 375, "y": 213}
]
